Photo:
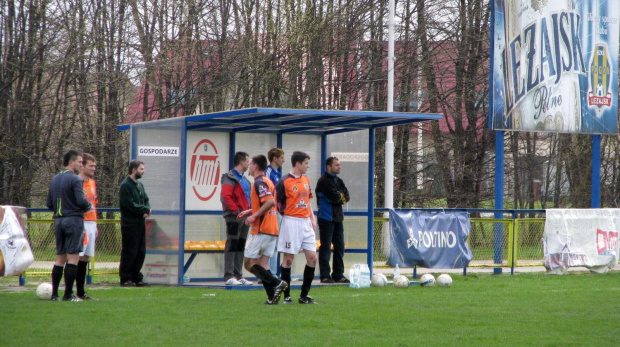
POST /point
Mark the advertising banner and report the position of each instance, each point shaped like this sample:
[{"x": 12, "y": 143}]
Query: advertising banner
[
  {"x": 555, "y": 66},
  {"x": 15, "y": 252},
  {"x": 207, "y": 161},
  {"x": 429, "y": 239},
  {"x": 581, "y": 237}
]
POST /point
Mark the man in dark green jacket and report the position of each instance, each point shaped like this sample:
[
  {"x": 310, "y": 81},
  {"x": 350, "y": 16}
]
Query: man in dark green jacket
[{"x": 135, "y": 208}]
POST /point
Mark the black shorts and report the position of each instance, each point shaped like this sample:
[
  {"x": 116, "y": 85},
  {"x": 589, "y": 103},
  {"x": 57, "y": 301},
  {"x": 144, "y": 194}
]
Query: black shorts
[{"x": 69, "y": 233}]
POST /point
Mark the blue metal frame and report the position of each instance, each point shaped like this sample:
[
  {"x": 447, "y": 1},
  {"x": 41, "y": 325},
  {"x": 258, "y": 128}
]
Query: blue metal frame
[
  {"x": 596, "y": 171},
  {"x": 371, "y": 194},
  {"x": 279, "y": 122},
  {"x": 183, "y": 176}
]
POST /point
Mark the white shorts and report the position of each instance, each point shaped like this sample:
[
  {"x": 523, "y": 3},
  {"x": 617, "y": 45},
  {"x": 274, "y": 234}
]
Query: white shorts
[
  {"x": 259, "y": 245},
  {"x": 90, "y": 227},
  {"x": 296, "y": 234}
]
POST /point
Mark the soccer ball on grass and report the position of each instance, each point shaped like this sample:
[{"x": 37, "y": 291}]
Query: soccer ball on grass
[
  {"x": 401, "y": 282},
  {"x": 378, "y": 280},
  {"x": 444, "y": 280},
  {"x": 44, "y": 291},
  {"x": 427, "y": 280}
]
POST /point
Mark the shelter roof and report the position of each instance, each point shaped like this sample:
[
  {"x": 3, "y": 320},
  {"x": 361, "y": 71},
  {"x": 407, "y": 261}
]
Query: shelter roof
[{"x": 297, "y": 121}]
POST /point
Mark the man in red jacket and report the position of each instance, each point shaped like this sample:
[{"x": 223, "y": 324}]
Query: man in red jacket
[{"x": 235, "y": 198}]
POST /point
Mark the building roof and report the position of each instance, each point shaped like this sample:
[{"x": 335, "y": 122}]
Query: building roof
[{"x": 297, "y": 121}]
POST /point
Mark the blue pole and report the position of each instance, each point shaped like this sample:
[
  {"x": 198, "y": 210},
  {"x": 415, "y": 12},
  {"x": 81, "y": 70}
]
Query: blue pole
[
  {"x": 596, "y": 171},
  {"x": 182, "y": 175},
  {"x": 499, "y": 200},
  {"x": 371, "y": 194},
  {"x": 499, "y": 156},
  {"x": 323, "y": 152},
  {"x": 231, "y": 151}
]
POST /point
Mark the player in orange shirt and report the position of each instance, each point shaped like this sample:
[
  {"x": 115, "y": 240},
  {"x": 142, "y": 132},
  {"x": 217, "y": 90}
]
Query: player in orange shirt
[
  {"x": 264, "y": 220},
  {"x": 90, "y": 223},
  {"x": 298, "y": 224}
]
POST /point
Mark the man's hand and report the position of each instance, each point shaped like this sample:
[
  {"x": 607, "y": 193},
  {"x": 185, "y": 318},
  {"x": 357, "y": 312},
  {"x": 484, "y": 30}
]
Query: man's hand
[
  {"x": 243, "y": 214},
  {"x": 250, "y": 220}
]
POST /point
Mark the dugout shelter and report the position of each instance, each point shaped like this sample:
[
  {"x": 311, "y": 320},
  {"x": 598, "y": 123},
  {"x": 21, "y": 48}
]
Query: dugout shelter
[{"x": 185, "y": 157}]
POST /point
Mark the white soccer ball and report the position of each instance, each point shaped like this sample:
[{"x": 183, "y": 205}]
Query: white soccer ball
[
  {"x": 401, "y": 282},
  {"x": 378, "y": 280},
  {"x": 44, "y": 291},
  {"x": 427, "y": 280},
  {"x": 444, "y": 280}
]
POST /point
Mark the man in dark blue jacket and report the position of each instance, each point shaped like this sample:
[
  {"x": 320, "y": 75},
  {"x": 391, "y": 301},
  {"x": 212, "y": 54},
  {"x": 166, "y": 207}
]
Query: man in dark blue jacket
[
  {"x": 66, "y": 198},
  {"x": 331, "y": 195}
]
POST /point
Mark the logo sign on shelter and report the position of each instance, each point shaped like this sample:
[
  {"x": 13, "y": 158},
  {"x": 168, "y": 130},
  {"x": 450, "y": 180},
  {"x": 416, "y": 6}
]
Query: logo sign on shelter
[
  {"x": 556, "y": 66},
  {"x": 429, "y": 239},
  {"x": 207, "y": 160}
]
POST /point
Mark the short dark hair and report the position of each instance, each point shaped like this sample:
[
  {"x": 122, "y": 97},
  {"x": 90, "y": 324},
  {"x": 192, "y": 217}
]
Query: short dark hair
[
  {"x": 69, "y": 156},
  {"x": 239, "y": 157},
  {"x": 275, "y": 153},
  {"x": 88, "y": 157},
  {"x": 330, "y": 161},
  {"x": 134, "y": 164},
  {"x": 260, "y": 161},
  {"x": 298, "y": 157}
]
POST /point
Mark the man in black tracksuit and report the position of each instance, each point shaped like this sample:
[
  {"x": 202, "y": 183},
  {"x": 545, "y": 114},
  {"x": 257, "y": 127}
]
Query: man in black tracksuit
[{"x": 331, "y": 195}]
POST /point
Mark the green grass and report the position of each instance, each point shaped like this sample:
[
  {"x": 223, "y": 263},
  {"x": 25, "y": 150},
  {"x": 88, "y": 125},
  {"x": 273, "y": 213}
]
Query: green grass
[{"x": 576, "y": 309}]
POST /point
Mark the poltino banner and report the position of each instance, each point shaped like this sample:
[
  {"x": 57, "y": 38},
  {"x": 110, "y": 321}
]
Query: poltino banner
[
  {"x": 429, "y": 239},
  {"x": 555, "y": 66}
]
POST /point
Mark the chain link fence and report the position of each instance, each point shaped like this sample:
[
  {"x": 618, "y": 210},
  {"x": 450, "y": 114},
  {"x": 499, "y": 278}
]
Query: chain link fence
[{"x": 43, "y": 244}]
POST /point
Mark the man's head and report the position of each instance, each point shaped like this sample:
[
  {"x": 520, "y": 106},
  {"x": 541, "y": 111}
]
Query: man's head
[
  {"x": 332, "y": 165},
  {"x": 89, "y": 165},
  {"x": 241, "y": 161},
  {"x": 300, "y": 162},
  {"x": 72, "y": 160},
  {"x": 258, "y": 165},
  {"x": 276, "y": 157},
  {"x": 136, "y": 169}
]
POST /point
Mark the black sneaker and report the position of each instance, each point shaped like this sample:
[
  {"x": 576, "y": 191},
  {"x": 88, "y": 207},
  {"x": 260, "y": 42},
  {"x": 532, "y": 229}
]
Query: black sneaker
[
  {"x": 270, "y": 302},
  {"x": 128, "y": 284},
  {"x": 343, "y": 280},
  {"x": 54, "y": 298},
  {"x": 327, "y": 280},
  {"x": 277, "y": 291},
  {"x": 72, "y": 298},
  {"x": 307, "y": 300},
  {"x": 142, "y": 284},
  {"x": 86, "y": 297},
  {"x": 288, "y": 300}
]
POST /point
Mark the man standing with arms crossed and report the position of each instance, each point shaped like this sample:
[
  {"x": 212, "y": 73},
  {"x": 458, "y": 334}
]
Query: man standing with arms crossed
[
  {"x": 276, "y": 159},
  {"x": 66, "y": 198},
  {"x": 235, "y": 198},
  {"x": 90, "y": 223},
  {"x": 298, "y": 224},
  {"x": 135, "y": 208},
  {"x": 331, "y": 194},
  {"x": 263, "y": 219}
]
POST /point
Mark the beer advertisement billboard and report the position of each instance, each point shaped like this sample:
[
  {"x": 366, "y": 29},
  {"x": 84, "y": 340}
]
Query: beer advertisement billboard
[{"x": 555, "y": 66}]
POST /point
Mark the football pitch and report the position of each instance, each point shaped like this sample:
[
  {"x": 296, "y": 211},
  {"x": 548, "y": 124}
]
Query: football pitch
[{"x": 578, "y": 309}]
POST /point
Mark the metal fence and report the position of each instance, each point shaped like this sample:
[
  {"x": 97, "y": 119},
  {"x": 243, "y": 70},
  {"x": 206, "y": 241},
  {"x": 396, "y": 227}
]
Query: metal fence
[
  {"x": 107, "y": 252},
  {"x": 521, "y": 242}
]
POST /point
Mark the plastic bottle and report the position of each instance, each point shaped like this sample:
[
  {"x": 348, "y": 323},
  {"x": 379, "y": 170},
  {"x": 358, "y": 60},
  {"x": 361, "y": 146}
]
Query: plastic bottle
[
  {"x": 185, "y": 279},
  {"x": 396, "y": 271}
]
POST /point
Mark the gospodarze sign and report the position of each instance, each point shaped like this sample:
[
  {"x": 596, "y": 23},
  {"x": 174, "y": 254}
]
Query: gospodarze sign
[
  {"x": 156, "y": 151},
  {"x": 556, "y": 66}
]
